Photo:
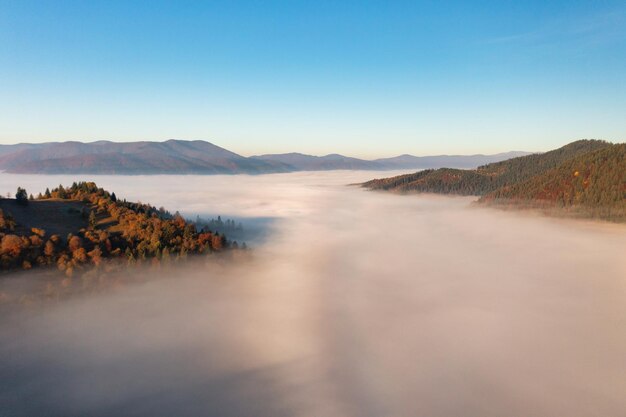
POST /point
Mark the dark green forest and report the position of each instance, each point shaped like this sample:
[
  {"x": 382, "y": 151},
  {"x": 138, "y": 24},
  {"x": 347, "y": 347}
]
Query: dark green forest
[{"x": 585, "y": 178}]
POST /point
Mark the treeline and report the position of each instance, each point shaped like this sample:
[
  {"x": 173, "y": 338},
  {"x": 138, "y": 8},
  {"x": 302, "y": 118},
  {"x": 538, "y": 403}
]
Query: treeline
[
  {"x": 120, "y": 230},
  {"x": 227, "y": 227},
  {"x": 587, "y": 174},
  {"x": 443, "y": 180}
]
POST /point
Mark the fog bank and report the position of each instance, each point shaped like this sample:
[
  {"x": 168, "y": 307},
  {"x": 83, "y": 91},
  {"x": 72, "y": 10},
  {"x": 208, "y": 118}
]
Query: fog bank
[{"x": 357, "y": 304}]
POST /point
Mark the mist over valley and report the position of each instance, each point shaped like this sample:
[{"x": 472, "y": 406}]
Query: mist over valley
[{"x": 354, "y": 303}]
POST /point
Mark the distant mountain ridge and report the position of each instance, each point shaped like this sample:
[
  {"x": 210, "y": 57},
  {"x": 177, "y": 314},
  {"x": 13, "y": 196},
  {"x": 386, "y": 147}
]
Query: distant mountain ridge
[
  {"x": 302, "y": 162},
  {"x": 199, "y": 157},
  {"x": 335, "y": 161},
  {"x": 453, "y": 161},
  {"x": 104, "y": 157}
]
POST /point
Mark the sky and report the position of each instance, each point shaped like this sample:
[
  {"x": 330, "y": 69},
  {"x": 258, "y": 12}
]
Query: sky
[{"x": 363, "y": 78}]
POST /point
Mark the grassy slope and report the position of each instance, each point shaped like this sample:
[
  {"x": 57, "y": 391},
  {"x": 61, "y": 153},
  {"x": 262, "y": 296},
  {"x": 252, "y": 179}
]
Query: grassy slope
[{"x": 55, "y": 216}]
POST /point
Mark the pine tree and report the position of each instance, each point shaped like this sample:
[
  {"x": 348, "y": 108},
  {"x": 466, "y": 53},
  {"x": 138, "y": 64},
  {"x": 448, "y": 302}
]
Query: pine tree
[
  {"x": 61, "y": 192},
  {"x": 21, "y": 196}
]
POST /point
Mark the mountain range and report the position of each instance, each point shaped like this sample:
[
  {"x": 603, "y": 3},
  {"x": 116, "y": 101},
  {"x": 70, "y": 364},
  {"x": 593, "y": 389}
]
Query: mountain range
[{"x": 200, "y": 157}]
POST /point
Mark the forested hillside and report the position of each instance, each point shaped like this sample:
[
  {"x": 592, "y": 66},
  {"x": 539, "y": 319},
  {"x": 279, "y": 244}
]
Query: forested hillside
[
  {"x": 593, "y": 183},
  {"x": 588, "y": 175},
  {"x": 78, "y": 227},
  {"x": 486, "y": 178}
]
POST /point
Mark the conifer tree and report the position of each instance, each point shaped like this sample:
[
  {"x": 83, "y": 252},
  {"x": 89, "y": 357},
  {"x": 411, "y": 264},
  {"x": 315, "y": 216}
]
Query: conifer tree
[{"x": 21, "y": 196}]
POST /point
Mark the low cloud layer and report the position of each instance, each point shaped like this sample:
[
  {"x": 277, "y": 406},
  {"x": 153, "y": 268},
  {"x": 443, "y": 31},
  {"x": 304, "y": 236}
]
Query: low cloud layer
[{"x": 357, "y": 304}]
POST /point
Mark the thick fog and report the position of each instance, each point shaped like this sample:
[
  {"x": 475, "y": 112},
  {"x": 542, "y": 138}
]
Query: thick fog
[{"x": 356, "y": 303}]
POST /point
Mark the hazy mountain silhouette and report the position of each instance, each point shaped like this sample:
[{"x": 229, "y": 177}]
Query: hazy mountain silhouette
[{"x": 199, "y": 157}]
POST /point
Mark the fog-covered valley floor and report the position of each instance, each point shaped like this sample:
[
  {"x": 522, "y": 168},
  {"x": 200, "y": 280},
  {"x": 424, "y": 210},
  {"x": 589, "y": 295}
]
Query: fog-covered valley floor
[{"x": 355, "y": 303}]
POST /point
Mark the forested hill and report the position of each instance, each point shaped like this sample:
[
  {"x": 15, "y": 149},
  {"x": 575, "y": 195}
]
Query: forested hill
[
  {"x": 589, "y": 175},
  {"x": 594, "y": 183},
  {"x": 77, "y": 228},
  {"x": 486, "y": 178}
]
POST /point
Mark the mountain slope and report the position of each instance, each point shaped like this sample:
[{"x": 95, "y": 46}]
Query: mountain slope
[
  {"x": 485, "y": 178},
  {"x": 104, "y": 157},
  {"x": 586, "y": 177},
  {"x": 594, "y": 183}
]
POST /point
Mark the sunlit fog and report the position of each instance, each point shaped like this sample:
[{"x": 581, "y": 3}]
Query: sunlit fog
[{"x": 351, "y": 303}]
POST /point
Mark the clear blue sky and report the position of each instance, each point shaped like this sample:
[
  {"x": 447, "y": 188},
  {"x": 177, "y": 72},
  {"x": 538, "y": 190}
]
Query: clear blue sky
[{"x": 362, "y": 78}]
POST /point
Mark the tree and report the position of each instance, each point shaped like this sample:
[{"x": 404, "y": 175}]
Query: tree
[
  {"x": 75, "y": 243},
  {"x": 61, "y": 192},
  {"x": 113, "y": 197},
  {"x": 92, "y": 219},
  {"x": 6, "y": 221},
  {"x": 47, "y": 193},
  {"x": 96, "y": 256},
  {"x": 217, "y": 242},
  {"x": 80, "y": 255},
  {"x": 11, "y": 245},
  {"x": 49, "y": 249},
  {"x": 21, "y": 196}
]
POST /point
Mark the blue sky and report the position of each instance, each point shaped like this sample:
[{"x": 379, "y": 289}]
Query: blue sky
[{"x": 362, "y": 78}]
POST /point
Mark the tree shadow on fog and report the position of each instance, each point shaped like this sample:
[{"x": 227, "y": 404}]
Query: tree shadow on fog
[{"x": 253, "y": 231}]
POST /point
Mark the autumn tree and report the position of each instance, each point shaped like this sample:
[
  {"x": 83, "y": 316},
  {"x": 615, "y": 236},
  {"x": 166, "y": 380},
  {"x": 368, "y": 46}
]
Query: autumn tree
[
  {"x": 75, "y": 242},
  {"x": 11, "y": 245},
  {"x": 49, "y": 249},
  {"x": 92, "y": 219},
  {"x": 96, "y": 256},
  {"x": 80, "y": 255},
  {"x": 6, "y": 221}
]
